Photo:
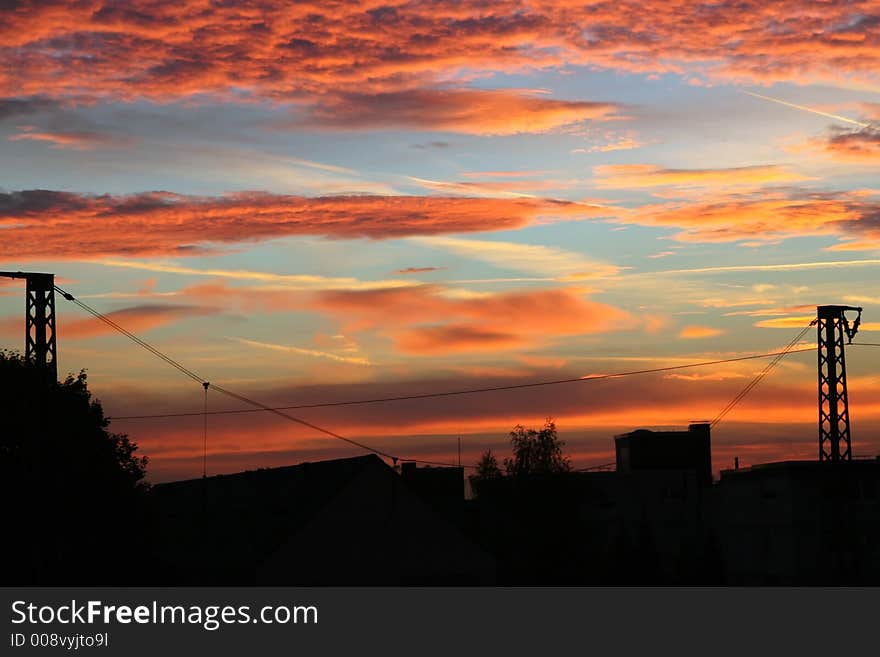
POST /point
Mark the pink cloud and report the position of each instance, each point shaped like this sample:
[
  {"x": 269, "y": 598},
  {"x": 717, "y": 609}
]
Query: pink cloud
[
  {"x": 424, "y": 319},
  {"x": 355, "y": 60},
  {"x": 470, "y": 111},
  {"x": 763, "y": 216},
  {"x": 50, "y": 224}
]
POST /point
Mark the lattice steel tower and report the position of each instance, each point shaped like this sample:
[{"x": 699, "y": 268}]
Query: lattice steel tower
[
  {"x": 39, "y": 337},
  {"x": 834, "y": 430}
]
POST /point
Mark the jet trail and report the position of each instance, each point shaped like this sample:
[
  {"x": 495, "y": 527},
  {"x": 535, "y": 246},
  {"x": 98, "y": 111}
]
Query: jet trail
[{"x": 810, "y": 109}]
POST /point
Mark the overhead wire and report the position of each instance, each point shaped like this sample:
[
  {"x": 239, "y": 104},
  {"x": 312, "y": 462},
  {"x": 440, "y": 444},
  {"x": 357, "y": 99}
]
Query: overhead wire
[
  {"x": 192, "y": 375},
  {"x": 450, "y": 393},
  {"x": 305, "y": 423},
  {"x": 789, "y": 348},
  {"x": 597, "y": 468},
  {"x": 130, "y": 335},
  {"x": 279, "y": 410}
]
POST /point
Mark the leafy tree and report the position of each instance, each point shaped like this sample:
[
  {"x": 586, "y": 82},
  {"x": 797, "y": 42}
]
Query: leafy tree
[
  {"x": 72, "y": 490},
  {"x": 536, "y": 452}
]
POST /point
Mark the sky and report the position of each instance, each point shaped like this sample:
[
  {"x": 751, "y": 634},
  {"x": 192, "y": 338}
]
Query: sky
[{"x": 317, "y": 202}]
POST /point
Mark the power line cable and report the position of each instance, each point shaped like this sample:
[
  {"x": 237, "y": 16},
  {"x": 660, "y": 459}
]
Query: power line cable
[
  {"x": 600, "y": 467},
  {"x": 789, "y": 348},
  {"x": 132, "y": 336},
  {"x": 229, "y": 393},
  {"x": 751, "y": 385},
  {"x": 450, "y": 393},
  {"x": 260, "y": 407},
  {"x": 305, "y": 423}
]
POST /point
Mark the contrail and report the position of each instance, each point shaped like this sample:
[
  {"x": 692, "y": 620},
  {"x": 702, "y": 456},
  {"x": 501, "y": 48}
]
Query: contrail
[
  {"x": 810, "y": 109},
  {"x": 471, "y": 188},
  {"x": 828, "y": 264}
]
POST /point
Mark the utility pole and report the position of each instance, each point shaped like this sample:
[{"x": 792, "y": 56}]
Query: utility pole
[
  {"x": 835, "y": 440},
  {"x": 40, "y": 348}
]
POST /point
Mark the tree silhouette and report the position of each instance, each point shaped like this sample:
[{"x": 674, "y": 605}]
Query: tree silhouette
[
  {"x": 487, "y": 466},
  {"x": 536, "y": 452},
  {"x": 486, "y": 469},
  {"x": 72, "y": 490}
]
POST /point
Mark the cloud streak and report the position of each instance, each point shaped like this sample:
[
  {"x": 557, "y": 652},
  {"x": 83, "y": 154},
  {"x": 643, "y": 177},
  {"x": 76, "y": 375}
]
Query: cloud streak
[
  {"x": 424, "y": 320},
  {"x": 52, "y": 224},
  {"x": 536, "y": 259},
  {"x": 76, "y": 140},
  {"x": 138, "y": 319},
  {"x": 280, "y": 281},
  {"x": 812, "y": 110},
  {"x": 762, "y": 216},
  {"x": 627, "y": 176},
  {"x": 785, "y": 266},
  {"x": 417, "y": 270},
  {"x": 699, "y": 332},
  {"x": 468, "y": 111},
  {"x": 355, "y": 360}
]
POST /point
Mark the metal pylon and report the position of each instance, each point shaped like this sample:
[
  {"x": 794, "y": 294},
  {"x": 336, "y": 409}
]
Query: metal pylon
[
  {"x": 40, "y": 347},
  {"x": 835, "y": 438}
]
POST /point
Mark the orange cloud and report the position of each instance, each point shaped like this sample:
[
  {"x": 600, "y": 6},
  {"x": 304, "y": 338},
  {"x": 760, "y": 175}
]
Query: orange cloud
[
  {"x": 765, "y": 216},
  {"x": 786, "y": 322},
  {"x": 431, "y": 319},
  {"x": 49, "y": 224},
  {"x": 457, "y": 337},
  {"x": 769, "y": 311},
  {"x": 614, "y": 142},
  {"x": 137, "y": 319},
  {"x": 623, "y": 176},
  {"x": 855, "y": 245},
  {"x": 82, "y": 140},
  {"x": 423, "y": 320},
  {"x": 342, "y": 55},
  {"x": 470, "y": 111},
  {"x": 862, "y": 146},
  {"x": 697, "y": 332}
]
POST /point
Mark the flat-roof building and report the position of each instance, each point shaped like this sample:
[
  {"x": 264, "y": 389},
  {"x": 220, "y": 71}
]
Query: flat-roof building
[
  {"x": 646, "y": 450},
  {"x": 801, "y": 522}
]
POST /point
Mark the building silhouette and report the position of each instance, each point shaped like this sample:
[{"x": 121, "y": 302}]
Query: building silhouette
[
  {"x": 800, "y": 522},
  {"x": 658, "y": 519},
  {"x": 645, "y": 451},
  {"x": 347, "y": 522}
]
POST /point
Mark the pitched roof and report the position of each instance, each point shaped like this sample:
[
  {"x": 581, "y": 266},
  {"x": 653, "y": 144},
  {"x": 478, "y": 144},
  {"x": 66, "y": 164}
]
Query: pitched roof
[{"x": 240, "y": 518}]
